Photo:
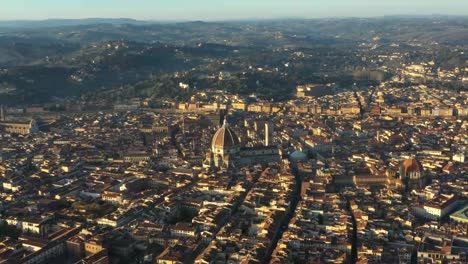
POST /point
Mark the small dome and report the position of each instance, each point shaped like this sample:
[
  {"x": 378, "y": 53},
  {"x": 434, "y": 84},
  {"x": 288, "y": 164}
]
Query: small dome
[
  {"x": 412, "y": 165},
  {"x": 298, "y": 155},
  {"x": 225, "y": 138}
]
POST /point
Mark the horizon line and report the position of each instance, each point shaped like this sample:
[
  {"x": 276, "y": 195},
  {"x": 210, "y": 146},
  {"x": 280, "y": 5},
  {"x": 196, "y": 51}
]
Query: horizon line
[{"x": 232, "y": 19}]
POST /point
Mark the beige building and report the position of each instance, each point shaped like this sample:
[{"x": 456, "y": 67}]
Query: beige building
[{"x": 22, "y": 128}]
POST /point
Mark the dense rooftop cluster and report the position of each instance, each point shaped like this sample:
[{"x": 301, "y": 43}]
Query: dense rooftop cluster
[{"x": 374, "y": 175}]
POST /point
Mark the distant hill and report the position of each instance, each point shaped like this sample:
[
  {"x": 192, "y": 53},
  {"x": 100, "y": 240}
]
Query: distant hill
[
  {"x": 60, "y": 57},
  {"x": 69, "y": 22},
  {"x": 24, "y": 50},
  {"x": 448, "y": 30}
]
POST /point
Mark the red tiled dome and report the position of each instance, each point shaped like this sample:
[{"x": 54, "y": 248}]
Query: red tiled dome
[
  {"x": 225, "y": 138},
  {"x": 412, "y": 165}
]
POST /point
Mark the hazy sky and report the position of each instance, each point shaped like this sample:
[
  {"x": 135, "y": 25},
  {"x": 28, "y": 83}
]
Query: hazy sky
[{"x": 223, "y": 9}]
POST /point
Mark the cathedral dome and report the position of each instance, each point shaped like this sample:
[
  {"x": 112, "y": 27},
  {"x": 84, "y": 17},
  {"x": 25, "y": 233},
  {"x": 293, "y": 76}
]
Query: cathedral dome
[
  {"x": 412, "y": 165},
  {"x": 298, "y": 156},
  {"x": 224, "y": 139}
]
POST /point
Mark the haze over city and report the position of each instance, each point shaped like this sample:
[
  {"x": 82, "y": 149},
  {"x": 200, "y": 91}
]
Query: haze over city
[{"x": 223, "y": 10}]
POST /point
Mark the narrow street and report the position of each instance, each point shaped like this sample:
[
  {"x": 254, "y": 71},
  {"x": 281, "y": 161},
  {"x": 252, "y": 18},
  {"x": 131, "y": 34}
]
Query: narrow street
[
  {"x": 353, "y": 257},
  {"x": 285, "y": 221}
]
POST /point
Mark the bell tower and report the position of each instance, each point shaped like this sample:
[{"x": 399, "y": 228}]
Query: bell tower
[{"x": 2, "y": 114}]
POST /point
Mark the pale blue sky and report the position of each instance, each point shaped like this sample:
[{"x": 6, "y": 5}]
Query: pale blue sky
[{"x": 223, "y": 9}]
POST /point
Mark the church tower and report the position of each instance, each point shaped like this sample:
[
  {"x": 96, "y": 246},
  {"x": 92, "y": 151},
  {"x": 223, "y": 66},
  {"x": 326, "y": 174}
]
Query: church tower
[
  {"x": 2, "y": 114},
  {"x": 268, "y": 134}
]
